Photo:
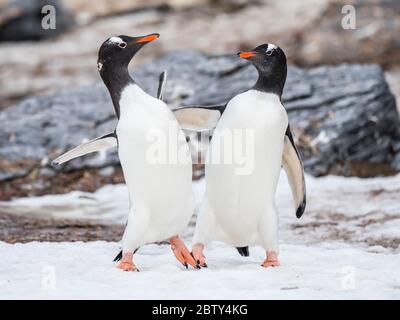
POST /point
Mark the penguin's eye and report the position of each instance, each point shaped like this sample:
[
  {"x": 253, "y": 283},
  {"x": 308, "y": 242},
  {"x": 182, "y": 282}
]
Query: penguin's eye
[
  {"x": 122, "y": 45},
  {"x": 269, "y": 52}
]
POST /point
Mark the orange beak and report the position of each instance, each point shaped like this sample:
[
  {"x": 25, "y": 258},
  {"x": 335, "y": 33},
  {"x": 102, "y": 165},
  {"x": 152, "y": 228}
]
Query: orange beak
[
  {"x": 247, "y": 54},
  {"x": 148, "y": 38}
]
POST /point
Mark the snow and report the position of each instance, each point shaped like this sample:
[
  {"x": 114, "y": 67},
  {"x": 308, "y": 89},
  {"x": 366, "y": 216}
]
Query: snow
[
  {"x": 108, "y": 204},
  {"x": 86, "y": 271},
  {"x": 346, "y": 246}
]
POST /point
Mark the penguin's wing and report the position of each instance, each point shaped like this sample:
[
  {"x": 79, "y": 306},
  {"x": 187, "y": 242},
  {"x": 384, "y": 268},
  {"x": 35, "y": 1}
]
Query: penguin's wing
[
  {"x": 161, "y": 84},
  {"x": 199, "y": 118},
  {"x": 295, "y": 173},
  {"x": 100, "y": 143}
]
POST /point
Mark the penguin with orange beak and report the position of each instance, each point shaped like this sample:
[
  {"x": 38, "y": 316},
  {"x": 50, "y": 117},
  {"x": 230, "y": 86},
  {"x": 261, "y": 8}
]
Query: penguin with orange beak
[
  {"x": 239, "y": 205},
  {"x": 153, "y": 152}
]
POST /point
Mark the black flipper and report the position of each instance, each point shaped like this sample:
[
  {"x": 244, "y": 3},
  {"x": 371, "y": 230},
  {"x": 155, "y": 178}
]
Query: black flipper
[
  {"x": 243, "y": 251},
  {"x": 161, "y": 84},
  {"x": 295, "y": 173}
]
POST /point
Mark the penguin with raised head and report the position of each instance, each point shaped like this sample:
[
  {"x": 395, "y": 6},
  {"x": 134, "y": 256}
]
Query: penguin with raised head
[
  {"x": 239, "y": 205},
  {"x": 153, "y": 152}
]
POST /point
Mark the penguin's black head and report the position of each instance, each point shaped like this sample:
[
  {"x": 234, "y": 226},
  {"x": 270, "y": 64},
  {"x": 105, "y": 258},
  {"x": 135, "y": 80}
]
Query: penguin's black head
[
  {"x": 270, "y": 61},
  {"x": 265, "y": 57},
  {"x": 118, "y": 51}
]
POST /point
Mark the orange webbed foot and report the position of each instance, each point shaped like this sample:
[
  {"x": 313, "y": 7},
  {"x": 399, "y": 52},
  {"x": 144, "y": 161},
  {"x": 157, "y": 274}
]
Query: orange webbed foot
[
  {"x": 126, "y": 263},
  {"x": 197, "y": 254},
  {"x": 271, "y": 260},
  {"x": 182, "y": 253}
]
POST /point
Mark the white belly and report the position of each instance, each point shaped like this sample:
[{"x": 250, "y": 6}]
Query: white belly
[
  {"x": 242, "y": 192},
  {"x": 156, "y": 163}
]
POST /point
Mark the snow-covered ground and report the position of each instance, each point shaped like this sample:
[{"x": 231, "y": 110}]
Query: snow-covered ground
[
  {"x": 345, "y": 246},
  {"x": 85, "y": 270}
]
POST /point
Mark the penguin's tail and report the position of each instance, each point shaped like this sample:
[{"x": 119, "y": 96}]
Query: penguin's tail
[
  {"x": 243, "y": 251},
  {"x": 118, "y": 257}
]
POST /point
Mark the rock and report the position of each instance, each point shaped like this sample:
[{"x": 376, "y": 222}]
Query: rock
[
  {"x": 21, "y": 20},
  {"x": 86, "y": 11},
  {"x": 375, "y": 35},
  {"x": 393, "y": 79},
  {"x": 344, "y": 119},
  {"x": 309, "y": 31}
]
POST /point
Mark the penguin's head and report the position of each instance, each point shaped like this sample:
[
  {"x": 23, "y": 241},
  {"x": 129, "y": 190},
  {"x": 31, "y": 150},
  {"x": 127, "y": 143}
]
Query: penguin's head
[
  {"x": 270, "y": 61},
  {"x": 118, "y": 51},
  {"x": 265, "y": 57}
]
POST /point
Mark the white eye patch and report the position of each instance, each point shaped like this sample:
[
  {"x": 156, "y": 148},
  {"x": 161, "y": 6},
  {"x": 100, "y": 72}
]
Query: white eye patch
[
  {"x": 116, "y": 40},
  {"x": 99, "y": 66},
  {"x": 271, "y": 47}
]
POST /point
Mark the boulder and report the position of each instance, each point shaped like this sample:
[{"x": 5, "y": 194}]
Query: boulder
[{"x": 344, "y": 119}]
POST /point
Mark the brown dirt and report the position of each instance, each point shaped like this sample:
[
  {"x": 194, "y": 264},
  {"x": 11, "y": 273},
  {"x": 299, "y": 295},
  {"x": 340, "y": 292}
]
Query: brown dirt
[
  {"x": 15, "y": 228},
  {"x": 337, "y": 226},
  {"x": 32, "y": 184}
]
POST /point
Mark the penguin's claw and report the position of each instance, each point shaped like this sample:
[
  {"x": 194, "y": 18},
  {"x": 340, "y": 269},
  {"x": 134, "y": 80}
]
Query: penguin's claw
[
  {"x": 270, "y": 263},
  {"x": 197, "y": 254},
  {"x": 200, "y": 261},
  {"x": 181, "y": 253},
  {"x": 271, "y": 260}
]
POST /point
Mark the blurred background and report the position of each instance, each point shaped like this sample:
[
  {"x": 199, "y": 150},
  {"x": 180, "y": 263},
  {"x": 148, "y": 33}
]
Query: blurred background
[
  {"x": 36, "y": 61},
  {"x": 341, "y": 98}
]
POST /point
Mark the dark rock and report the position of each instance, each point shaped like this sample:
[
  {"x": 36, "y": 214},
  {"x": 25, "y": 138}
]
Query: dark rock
[
  {"x": 343, "y": 117},
  {"x": 21, "y": 20}
]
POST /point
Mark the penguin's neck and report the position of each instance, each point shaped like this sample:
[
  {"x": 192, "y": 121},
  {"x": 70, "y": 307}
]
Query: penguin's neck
[
  {"x": 116, "y": 79},
  {"x": 270, "y": 82}
]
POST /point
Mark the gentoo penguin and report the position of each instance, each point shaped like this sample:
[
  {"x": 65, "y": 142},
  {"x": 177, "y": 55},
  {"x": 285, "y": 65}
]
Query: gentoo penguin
[
  {"x": 239, "y": 206},
  {"x": 160, "y": 188}
]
